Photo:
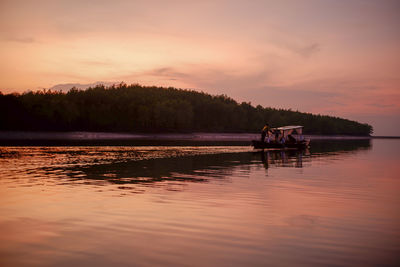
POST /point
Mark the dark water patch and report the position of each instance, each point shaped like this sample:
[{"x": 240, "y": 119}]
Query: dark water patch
[{"x": 331, "y": 146}]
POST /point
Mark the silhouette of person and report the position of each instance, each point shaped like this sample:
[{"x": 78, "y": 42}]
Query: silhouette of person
[{"x": 264, "y": 132}]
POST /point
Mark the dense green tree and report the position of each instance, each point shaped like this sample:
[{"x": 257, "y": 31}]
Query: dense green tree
[{"x": 136, "y": 108}]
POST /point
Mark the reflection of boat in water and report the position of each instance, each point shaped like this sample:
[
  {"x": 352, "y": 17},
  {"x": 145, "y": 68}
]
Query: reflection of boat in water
[
  {"x": 296, "y": 158},
  {"x": 285, "y": 158},
  {"x": 287, "y": 137}
]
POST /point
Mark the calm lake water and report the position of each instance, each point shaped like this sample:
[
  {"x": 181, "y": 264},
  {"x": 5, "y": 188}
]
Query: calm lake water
[{"x": 337, "y": 204}]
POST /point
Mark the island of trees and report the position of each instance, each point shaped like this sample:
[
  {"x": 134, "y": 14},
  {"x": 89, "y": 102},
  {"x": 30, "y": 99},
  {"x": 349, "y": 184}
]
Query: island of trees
[{"x": 136, "y": 108}]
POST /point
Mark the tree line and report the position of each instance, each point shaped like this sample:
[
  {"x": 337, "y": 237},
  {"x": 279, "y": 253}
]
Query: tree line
[{"x": 136, "y": 108}]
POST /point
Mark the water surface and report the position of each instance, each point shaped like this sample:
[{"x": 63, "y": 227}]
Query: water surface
[{"x": 221, "y": 205}]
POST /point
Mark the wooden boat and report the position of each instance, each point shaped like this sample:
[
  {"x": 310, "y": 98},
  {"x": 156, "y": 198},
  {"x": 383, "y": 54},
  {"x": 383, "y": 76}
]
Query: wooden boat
[{"x": 287, "y": 137}]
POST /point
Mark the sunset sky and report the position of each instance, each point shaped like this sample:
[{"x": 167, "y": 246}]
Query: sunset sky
[{"x": 339, "y": 58}]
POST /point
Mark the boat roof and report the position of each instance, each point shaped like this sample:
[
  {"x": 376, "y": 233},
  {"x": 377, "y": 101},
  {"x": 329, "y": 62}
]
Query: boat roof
[{"x": 291, "y": 127}]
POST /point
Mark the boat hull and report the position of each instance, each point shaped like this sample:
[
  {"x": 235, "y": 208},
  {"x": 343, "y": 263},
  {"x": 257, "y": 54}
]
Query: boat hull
[{"x": 257, "y": 144}]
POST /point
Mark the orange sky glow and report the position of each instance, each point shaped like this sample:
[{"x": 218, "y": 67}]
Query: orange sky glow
[{"x": 339, "y": 58}]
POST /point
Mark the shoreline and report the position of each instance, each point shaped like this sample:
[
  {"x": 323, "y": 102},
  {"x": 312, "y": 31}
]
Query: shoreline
[{"x": 98, "y": 136}]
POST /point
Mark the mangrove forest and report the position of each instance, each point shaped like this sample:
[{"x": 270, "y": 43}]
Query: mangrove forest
[{"x": 144, "y": 109}]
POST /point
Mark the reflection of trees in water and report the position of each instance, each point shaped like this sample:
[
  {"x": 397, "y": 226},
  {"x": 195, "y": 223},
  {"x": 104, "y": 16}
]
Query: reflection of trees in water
[
  {"x": 188, "y": 168},
  {"x": 201, "y": 168},
  {"x": 329, "y": 146}
]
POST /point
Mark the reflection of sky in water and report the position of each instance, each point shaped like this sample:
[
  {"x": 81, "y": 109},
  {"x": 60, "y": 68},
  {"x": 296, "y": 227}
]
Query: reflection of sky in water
[{"x": 336, "y": 204}]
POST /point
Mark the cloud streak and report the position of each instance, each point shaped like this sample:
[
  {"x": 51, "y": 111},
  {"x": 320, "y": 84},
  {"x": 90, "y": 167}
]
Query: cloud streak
[{"x": 23, "y": 40}]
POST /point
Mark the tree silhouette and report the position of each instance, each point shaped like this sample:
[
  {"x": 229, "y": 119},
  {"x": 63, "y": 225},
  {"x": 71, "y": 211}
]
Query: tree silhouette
[{"x": 137, "y": 108}]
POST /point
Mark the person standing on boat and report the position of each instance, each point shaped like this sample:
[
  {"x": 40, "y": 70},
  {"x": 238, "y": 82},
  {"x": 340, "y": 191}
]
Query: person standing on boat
[
  {"x": 264, "y": 132},
  {"x": 277, "y": 133}
]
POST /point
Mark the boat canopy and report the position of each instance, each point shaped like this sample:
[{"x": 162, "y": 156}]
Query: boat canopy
[{"x": 292, "y": 129}]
